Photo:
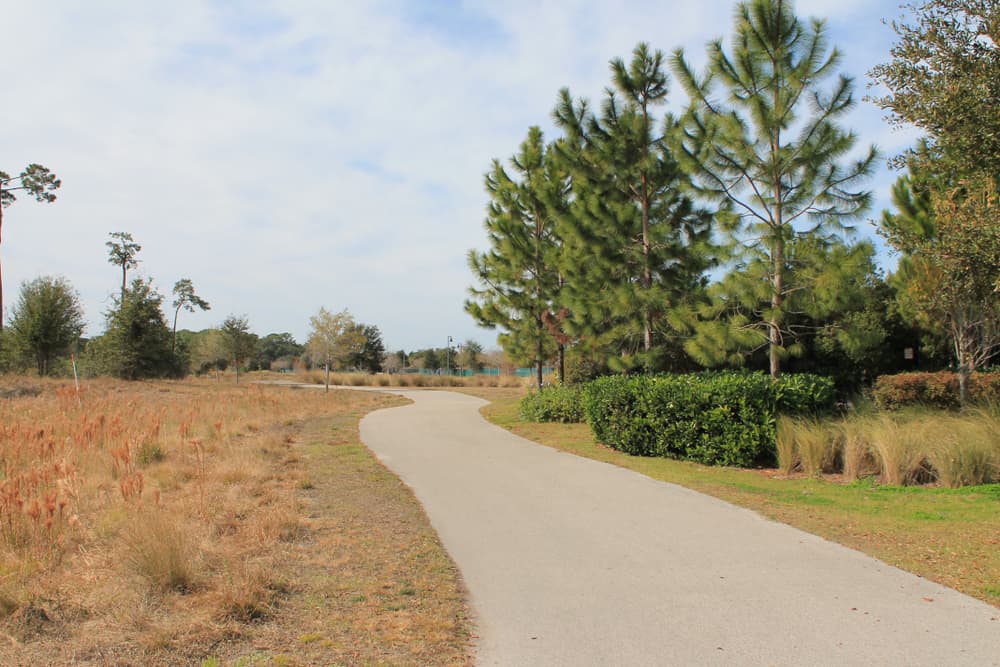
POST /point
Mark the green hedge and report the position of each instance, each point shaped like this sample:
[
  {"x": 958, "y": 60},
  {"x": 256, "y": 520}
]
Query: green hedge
[
  {"x": 938, "y": 390},
  {"x": 553, "y": 404},
  {"x": 717, "y": 418}
]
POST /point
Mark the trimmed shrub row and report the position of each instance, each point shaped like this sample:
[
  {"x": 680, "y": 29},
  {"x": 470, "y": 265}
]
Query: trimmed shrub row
[
  {"x": 716, "y": 418},
  {"x": 938, "y": 390},
  {"x": 553, "y": 404}
]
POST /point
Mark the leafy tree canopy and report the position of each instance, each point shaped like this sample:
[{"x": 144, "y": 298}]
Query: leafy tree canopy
[
  {"x": 944, "y": 77},
  {"x": 47, "y": 320}
]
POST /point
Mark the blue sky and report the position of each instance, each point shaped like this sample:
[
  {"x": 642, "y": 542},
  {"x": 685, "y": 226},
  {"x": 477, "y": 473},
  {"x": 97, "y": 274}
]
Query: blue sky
[{"x": 291, "y": 155}]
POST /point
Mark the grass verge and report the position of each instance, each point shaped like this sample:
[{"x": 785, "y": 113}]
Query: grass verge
[
  {"x": 169, "y": 523},
  {"x": 951, "y": 536}
]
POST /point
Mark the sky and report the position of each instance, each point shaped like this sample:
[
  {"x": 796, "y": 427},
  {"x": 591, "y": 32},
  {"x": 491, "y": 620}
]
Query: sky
[{"x": 291, "y": 154}]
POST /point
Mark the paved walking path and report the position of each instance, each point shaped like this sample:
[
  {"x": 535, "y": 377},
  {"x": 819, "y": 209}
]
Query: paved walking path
[{"x": 573, "y": 562}]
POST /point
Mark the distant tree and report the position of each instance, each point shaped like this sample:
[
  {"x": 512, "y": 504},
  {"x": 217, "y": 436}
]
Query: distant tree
[
  {"x": 38, "y": 182},
  {"x": 519, "y": 278},
  {"x": 137, "y": 341},
  {"x": 762, "y": 139},
  {"x": 944, "y": 78},
  {"x": 208, "y": 352},
  {"x": 11, "y": 358},
  {"x": 429, "y": 359},
  {"x": 371, "y": 354},
  {"x": 277, "y": 346},
  {"x": 237, "y": 341},
  {"x": 469, "y": 356},
  {"x": 47, "y": 320},
  {"x": 333, "y": 339},
  {"x": 496, "y": 359},
  {"x": 122, "y": 251},
  {"x": 396, "y": 361},
  {"x": 184, "y": 297}
]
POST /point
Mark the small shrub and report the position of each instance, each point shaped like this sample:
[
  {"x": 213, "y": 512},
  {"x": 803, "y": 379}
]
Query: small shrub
[
  {"x": 718, "y": 418},
  {"x": 149, "y": 452},
  {"x": 382, "y": 380},
  {"x": 553, "y": 404},
  {"x": 804, "y": 394},
  {"x": 937, "y": 390}
]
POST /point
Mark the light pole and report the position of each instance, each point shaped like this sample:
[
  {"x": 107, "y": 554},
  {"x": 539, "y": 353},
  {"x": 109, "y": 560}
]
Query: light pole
[{"x": 447, "y": 357}]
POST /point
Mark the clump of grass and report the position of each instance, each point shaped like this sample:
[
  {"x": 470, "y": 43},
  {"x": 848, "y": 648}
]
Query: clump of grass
[
  {"x": 160, "y": 552},
  {"x": 856, "y": 450},
  {"x": 898, "y": 451},
  {"x": 149, "y": 453},
  {"x": 808, "y": 445},
  {"x": 965, "y": 450},
  {"x": 250, "y": 595},
  {"x": 788, "y": 457},
  {"x": 817, "y": 450},
  {"x": 278, "y": 523}
]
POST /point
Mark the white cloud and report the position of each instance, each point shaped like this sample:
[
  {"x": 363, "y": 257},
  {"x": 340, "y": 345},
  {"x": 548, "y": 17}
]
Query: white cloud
[{"x": 289, "y": 155}]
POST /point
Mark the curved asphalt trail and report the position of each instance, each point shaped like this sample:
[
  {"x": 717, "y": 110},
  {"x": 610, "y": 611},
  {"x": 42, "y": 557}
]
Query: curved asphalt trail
[{"x": 573, "y": 562}]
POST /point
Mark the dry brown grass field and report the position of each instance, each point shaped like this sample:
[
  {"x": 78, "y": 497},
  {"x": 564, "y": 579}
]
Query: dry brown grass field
[{"x": 179, "y": 523}]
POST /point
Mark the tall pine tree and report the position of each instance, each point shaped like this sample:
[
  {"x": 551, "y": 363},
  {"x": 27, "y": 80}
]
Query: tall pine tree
[
  {"x": 636, "y": 246},
  {"x": 762, "y": 139},
  {"x": 519, "y": 279}
]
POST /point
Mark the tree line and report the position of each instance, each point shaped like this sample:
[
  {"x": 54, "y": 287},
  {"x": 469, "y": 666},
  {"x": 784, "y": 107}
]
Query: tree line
[
  {"x": 47, "y": 324},
  {"x": 644, "y": 241}
]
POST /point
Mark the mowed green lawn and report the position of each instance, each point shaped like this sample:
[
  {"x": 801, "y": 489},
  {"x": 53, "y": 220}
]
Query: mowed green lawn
[{"x": 951, "y": 536}]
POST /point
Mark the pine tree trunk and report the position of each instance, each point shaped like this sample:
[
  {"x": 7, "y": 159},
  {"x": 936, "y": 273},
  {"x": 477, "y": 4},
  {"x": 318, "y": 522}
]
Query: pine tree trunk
[
  {"x": 562, "y": 364},
  {"x": 774, "y": 333},
  {"x": 778, "y": 223},
  {"x": 539, "y": 324},
  {"x": 538, "y": 351},
  {"x": 173, "y": 343},
  {"x": 647, "y": 274}
]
